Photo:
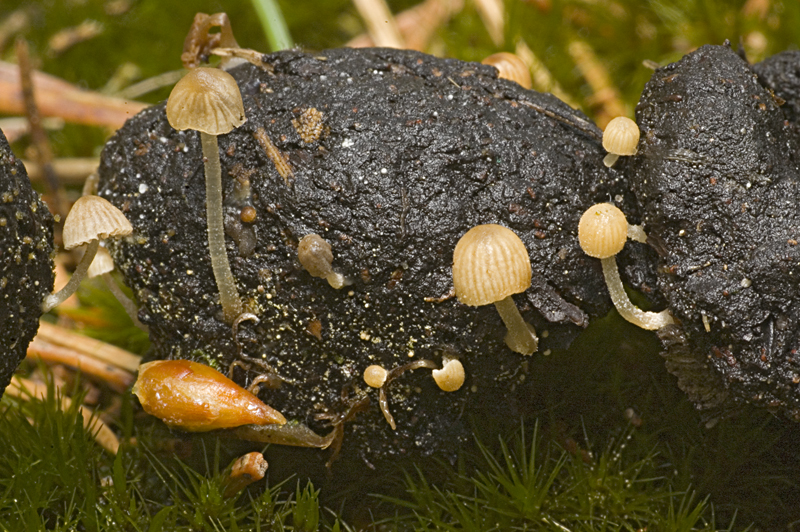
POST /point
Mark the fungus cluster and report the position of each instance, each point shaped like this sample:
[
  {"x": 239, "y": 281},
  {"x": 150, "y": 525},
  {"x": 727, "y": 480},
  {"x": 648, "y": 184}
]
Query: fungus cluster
[{"x": 602, "y": 233}]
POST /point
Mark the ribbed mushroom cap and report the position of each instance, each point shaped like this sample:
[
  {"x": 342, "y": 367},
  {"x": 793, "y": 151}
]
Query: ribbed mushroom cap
[
  {"x": 451, "y": 377},
  {"x": 602, "y": 231},
  {"x": 621, "y": 136},
  {"x": 102, "y": 263},
  {"x": 93, "y": 218},
  {"x": 207, "y": 100},
  {"x": 490, "y": 263}
]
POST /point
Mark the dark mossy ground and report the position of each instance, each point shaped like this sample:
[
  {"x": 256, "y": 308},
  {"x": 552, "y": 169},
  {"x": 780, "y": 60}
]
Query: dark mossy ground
[{"x": 747, "y": 465}]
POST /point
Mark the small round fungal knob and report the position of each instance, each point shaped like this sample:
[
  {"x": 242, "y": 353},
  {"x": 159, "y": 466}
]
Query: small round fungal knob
[
  {"x": 620, "y": 137},
  {"x": 451, "y": 377},
  {"x": 375, "y": 376},
  {"x": 509, "y": 66},
  {"x": 316, "y": 257},
  {"x": 602, "y": 231},
  {"x": 490, "y": 264}
]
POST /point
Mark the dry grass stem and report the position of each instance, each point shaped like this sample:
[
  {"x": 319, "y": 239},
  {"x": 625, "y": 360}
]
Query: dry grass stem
[
  {"x": 13, "y": 24},
  {"x": 70, "y": 171},
  {"x": 88, "y": 346},
  {"x": 419, "y": 24},
  {"x": 64, "y": 39},
  {"x": 56, "y": 97},
  {"x": 279, "y": 159},
  {"x": 380, "y": 22},
  {"x": 24, "y": 389},
  {"x": 492, "y": 14},
  {"x": 117, "y": 379},
  {"x": 543, "y": 80},
  {"x": 606, "y": 95}
]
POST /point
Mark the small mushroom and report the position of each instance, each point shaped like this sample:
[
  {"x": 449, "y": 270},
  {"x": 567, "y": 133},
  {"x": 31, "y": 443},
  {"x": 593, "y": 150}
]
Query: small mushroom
[
  {"x": 208, "y": 100},
  {"x": 510, "y": 67},
  {"x": 490, "y": 264},
  {"x": 198, "y": 398},
  {"x": 451, "y": 377},
  {"x": 602, "y": 232},
  {"x": 620, "y": 137},
  {"x": 102, "y": 266},
  {"x": 316, "y": 257},
  {"x": 375, "y": 376},
  {"x": 90, "y": 220}
]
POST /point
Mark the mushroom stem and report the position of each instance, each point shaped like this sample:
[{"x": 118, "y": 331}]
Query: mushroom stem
[
  {"x": 336, "y": 280},
  {"x": 646, "y": 320},
  {"x": 53, "y": 300},
  {"x": 228, "y": 293},
  {"x": 130, "y": 307},
  {"x": 610, "y": 159},
  {"x": 521, "y": 336}
]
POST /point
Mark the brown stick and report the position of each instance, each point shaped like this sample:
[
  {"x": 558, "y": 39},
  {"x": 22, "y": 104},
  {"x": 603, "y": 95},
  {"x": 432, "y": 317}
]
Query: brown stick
[
  {"x": 56, "y": 97},
  {"x": 492, "y": 14},
  {"x": 89, "y": 346},
  {"x": 118, "y": 379},
  {"x": 44, "y": 153},
  {"x": 605, "y": 93},
  {"x": 25, "y": 389},
  {"x": 70, "y": 171}
]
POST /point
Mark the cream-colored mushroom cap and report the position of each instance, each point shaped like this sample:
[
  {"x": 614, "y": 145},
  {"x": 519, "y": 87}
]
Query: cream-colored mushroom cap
[
  {"x": 510, "y": 66},
  {"x": 375, "y": 376},
  {"x": 490, "y": 263},
  {"x": 621, "y": 136},
  {"x": 602, "y": 231},
  {"x": 93, "y": 218},
  {"x": 102, "y": 263},
  {"x": 451, "y": 377},
  {"x": 207, "y": 100}
]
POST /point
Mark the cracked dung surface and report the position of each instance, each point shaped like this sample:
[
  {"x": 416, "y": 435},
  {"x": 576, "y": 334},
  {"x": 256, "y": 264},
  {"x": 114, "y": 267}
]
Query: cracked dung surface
[
  {"x": 26, "y": 248},
  {"x": 411, "y": 152}
]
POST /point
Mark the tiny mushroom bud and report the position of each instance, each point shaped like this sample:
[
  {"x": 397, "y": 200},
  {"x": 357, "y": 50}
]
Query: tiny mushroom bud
[
  {"x": 102, "y": 266},
  {"x": 244, "y": 471},
  {"x": 451, "y": 377},
  {"x": 198, "y": 398},
  {"x": 316, "y": 257},
  {"x": 620, "y": 137},
  {"x": 208, "y": 100},
  {"x": 375, "y": 376},
  {"x": 602, "y": 232},
  {"x": 511, "y": 67},
  {"x": 490, "y": 264},
  {"x": 90, "y": 220}
]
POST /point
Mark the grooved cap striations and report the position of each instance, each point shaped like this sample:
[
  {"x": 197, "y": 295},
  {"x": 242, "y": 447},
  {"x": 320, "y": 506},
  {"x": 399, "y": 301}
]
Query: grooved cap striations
[
  {"x": 490, "y": 263},
  {"x": 207, "y": 100},
  {"x": 621, "y": 136},
  {"x": 102, "y": 263},
  {"x": 93, "y": 218},
  {"x": 451, "y": 377},
  {"x": 602, "y": 231}
]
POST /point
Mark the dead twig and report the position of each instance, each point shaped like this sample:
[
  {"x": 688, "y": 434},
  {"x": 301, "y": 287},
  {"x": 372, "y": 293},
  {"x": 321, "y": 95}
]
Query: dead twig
[
  {"x": 492, "y": 14},
  {"x": 24, "y": 389},
  {"x": 56, "y": 97},
  {"x": 89, "y": 346},
  {"x": 605, "y": 93},
  {"x": 117, "y": 379},
  {"x": 417, "y": 25},
  {"x": 543, "y": 80},
  {"x": 44, "y": 153},
  {"x": 69, "y": 171}
]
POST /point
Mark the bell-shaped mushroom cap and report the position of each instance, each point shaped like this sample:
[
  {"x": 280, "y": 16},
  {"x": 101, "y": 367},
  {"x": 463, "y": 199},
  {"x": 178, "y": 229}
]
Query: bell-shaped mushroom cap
[
  {"x": 93, "y": 218},
  {"x": 375, "y": 376},
  {"x": 451, "y": 377},
  {"x": 207, "y": 100},
  {"x": 490, "y": 263},
  {"x": 621, "y": 136},
  {"x": 602, "y": 231},
  {"x": 102, "y": 263},
  {"x": 511, "y": 67}
]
